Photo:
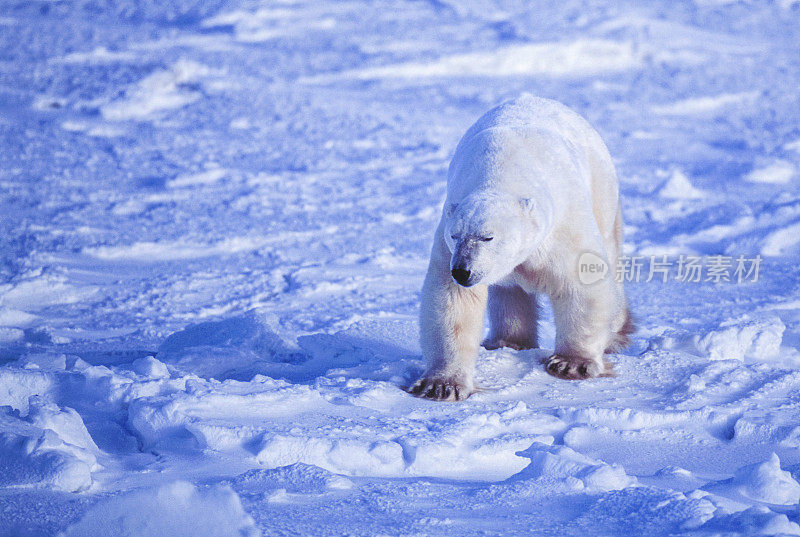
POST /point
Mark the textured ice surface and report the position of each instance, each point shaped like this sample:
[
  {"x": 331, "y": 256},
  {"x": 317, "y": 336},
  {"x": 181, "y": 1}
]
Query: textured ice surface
[{"x": 215, "y": 220}]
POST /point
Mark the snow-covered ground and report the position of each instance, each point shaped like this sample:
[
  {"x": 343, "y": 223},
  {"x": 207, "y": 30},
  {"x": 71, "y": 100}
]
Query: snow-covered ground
[{"x": 215, "y": 219}]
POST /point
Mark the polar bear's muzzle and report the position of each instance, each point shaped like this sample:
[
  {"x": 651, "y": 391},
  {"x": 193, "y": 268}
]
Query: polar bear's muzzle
[
  {"x": 462, "y": 276},
  {"x": 461, "y": 264}
]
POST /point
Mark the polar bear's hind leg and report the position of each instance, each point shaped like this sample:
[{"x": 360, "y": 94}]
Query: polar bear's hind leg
[
  {"x": 584, "y": 318},
  {"x": 621, "y": 338},
  {"x": 513, "y": 316}
]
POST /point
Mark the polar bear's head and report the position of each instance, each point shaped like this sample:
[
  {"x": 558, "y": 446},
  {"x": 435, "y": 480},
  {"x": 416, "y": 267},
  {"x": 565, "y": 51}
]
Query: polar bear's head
[{"x": 490, "y": 234}]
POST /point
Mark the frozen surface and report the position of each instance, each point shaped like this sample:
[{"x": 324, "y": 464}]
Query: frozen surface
[
  {"x": 177, "y": 508},
  {"x": 214, "y": 225}
]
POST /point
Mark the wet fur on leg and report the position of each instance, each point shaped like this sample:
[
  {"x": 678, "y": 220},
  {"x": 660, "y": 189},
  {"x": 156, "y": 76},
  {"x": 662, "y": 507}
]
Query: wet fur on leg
[{"x": 621, "y": 339}]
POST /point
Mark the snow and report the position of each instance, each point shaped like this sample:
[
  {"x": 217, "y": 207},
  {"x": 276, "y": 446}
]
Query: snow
[
  {"x": 215, "y": 220},
  {"x": 781, "y": 241},
  {"x": 706, "y": 105},
  {"x": 162, "y": 90},
  {"x": 766, "y": 482},
  {"x": 678, "y": 186},
  {"x": 778, "y": 172},
  {"x": 575, "y": 58},
  {"x": 760, "y": 339},
  {"x": 177, "y": 508},
  {"x": 50, "y": 447}
]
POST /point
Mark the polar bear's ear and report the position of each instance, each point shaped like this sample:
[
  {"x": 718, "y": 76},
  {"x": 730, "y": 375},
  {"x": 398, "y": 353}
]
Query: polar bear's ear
[{"x": 450, "y": 208}]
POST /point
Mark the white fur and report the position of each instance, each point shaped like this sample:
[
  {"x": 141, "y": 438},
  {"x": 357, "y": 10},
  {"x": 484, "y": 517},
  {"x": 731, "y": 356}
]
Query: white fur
[{"x": 536, "y": 179}]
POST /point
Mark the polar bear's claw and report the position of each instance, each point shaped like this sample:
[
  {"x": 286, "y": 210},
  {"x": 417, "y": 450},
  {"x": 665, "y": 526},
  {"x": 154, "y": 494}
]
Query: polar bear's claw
[
  {"x": 439, "y": 390},
  {"x": 573, "y": 367}
]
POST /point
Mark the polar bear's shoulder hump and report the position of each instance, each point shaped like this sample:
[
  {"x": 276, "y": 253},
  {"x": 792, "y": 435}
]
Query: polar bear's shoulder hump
[{"x": 528, "y": 113}]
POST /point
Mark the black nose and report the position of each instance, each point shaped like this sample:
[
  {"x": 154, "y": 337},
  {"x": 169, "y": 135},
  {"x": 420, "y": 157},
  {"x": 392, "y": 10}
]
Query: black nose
[{"x": 461, "y": 276}]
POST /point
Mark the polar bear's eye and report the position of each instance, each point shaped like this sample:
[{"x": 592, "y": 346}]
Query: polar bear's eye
[{"x": 486, "y": 239}]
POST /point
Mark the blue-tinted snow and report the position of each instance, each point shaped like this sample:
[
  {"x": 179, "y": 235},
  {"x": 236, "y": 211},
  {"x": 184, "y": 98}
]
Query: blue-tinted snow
[{"x": 214, "y": 224}]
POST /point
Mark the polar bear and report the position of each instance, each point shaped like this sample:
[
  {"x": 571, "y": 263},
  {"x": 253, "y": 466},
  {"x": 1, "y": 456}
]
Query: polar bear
[{"x": 531, "y": 188}]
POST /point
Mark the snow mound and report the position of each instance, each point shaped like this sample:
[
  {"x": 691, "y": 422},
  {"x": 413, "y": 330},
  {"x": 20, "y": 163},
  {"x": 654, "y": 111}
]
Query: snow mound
[
  {"x": 243, "y": 346},
  {"x": 759, "y": 339},
  {"x": 49, "y": 448},
  {"x": 10, "y": 335},
  {"x": 576, "y": 471},
  {"x": 349, "y": 426},
  {"x": 766, "y": 482},
  {"x": 221, "y": 348},
  {"x": 178, "y": 509},
  {"x": 149, "y": 367},
  {"x": 450, "y": 450},
  {"x": 377, "y": 350},
  {"x": 67, "y": 424},
  {"x": 15, "y": 318},
  {"x": 758, "y": 520},
  {"x": 677, "y": 478},
  {"x": 296, "y": 479}
]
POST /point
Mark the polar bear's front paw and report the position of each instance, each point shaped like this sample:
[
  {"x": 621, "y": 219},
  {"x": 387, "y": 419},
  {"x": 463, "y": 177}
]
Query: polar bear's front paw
[
  {"x": 573, "y": 367},
  {"x": 440, "y": 389}
]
